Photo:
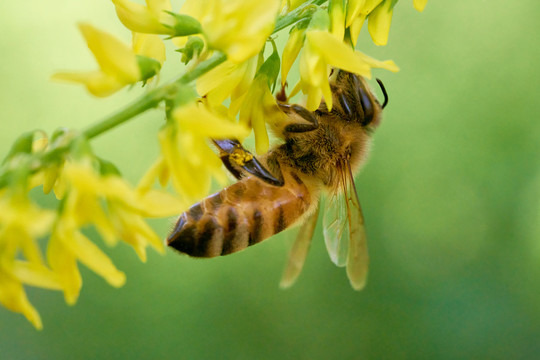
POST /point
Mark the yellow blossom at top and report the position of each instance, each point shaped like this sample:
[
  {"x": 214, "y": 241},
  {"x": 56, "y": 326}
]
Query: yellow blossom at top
[
  {"x": 357, "y": 12},
  {"x": 379, "y": 22},
  {"x": 337, "y": 19},
  {"x": 145, "y": 19},
  {"x": 419, "y": 4},
  {"x": 119, "y": 64},
  {"x": 316, "y": 59},
  {"x": 239, "y": 28}
]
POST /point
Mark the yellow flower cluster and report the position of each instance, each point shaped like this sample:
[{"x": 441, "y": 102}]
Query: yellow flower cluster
[
  {"x": 225, "y": 92},
  {"x": 87, "y": 196},
  {"x": 186, "y": 159}
]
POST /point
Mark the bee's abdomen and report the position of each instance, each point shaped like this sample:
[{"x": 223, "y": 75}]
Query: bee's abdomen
[{"x": 239, "y": 216}]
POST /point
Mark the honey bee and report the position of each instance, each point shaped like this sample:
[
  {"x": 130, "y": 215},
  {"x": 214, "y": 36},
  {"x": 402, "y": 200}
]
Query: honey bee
[{"x": 320, "y": 153}]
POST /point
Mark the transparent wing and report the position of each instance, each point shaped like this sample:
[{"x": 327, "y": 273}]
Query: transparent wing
[
  {"x": 357, "y": 257},
  {"x": 335, "y": 224},
  {"x": 299, "y": 251}
]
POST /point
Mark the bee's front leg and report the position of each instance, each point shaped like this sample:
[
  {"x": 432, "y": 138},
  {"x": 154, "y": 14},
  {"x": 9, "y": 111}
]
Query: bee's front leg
[
  {"x": 299, "y": 115},
  {"x": 238, "y": 161}
]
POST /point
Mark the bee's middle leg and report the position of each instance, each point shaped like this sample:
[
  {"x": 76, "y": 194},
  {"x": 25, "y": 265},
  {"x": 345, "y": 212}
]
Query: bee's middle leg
[{"x": 304, "y": 114}]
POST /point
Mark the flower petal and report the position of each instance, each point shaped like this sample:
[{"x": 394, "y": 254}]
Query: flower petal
[
  {"x": 197, "y": 119},
  {"x": 36, "y": 275},
  {"x": 290, "y": 52},
  {"x": 419, "y": 4},
  {"x": 379, "y": 22},
  {"x": 91, "y": 256},
  {"x": 149, "y": 45},
  {"x": 64, "y": 264},
  {"x": 113, "y": 56},
  {"x": 140, "y": 18},
  {"x": 337, "y": 19},
  {"x": 341, "y": 56},
  {"x": 96, "y": 82},
  {"x": 13, "y": 297},
  {"x": 355, "y": 28},
  {"x": 353, "y": 10}
]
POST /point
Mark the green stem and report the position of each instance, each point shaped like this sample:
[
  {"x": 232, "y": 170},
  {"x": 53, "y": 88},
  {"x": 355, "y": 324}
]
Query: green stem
[
  {"x": 152, "y": 98},
  {"x": 202, "y": 68},
  {"x": 303, "y": 11},
  {"x": 148, "y": 101}
]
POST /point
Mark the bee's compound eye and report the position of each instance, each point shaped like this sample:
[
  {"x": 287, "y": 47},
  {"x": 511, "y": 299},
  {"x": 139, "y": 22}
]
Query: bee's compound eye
[
  {"x": 367, "y": 106},
  {"x": 345, "y": 104}
]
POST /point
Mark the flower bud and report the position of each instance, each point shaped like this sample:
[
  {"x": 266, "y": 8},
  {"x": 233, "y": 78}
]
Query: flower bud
[
  {"x": 194, "y": 46},
  {"x": 183, "y": 25},
  {"x": 149, "y": 67}
]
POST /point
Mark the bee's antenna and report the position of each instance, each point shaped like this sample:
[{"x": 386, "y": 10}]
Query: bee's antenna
[{"x": 384, "y": 93}]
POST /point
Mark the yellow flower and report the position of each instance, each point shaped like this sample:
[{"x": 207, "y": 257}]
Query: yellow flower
[
  {"x": 419, "y": 4},
  {"x": 227, "y": 80},
  {"x": 132, "y": 229},
  {"x": 337, "y": 19},
  {"x": 291, "y": 51},
  {"x": 150, "y": 46},
  {"x": 321, "y": 50},
  {"x": 91, "y": 186},
  {"x": 117, "y": 62},
  {"x": 185, "y": 151},
  {"x": 116, "y": 210},
  {"x": 258, "y": 108},
  {"x": 379, "y": 22},
  {"x": 357, "y": 8},
  {"x": 68, "y": 245},
  {"x": 13, "y": 297},
  {"x": 357, "y": 11},
  {"x": 238, "y": 28},
  {"x": 145, "y": 19},
  {"x": 355, "y": 28},
  {"x": 21, "y": 222}
]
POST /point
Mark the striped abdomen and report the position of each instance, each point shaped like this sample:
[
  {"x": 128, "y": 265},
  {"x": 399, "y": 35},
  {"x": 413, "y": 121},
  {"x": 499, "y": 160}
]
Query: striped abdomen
[{"x": 241, "y": 215}]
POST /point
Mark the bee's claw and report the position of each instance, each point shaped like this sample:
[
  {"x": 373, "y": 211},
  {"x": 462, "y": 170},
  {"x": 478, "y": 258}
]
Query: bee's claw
[
  {"x": 254, "y": 167},
  {"x": 236, "y": 158}
]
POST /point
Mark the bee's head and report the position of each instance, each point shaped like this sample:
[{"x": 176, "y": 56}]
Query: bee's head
[{"x": 354, "y": 100}]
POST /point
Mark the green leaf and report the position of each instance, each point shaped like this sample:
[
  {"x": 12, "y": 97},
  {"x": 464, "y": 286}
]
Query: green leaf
[{"x": 23, "y": 145}]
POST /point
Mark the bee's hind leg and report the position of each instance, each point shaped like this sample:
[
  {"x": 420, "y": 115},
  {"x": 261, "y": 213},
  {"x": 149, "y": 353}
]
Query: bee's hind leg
[
  {"x": 238, "y": 161},
  {"x": 302, "y": 114}
]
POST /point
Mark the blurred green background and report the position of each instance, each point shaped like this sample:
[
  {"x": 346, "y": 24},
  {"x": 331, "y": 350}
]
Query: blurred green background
[{"x": 451, "y": 197}]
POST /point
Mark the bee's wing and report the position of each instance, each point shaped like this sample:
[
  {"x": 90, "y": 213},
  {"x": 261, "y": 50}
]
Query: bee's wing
[
  {"x": 344, "y": 231},
  {"x": 357, "y": 257},
  {"x": 299, "y": 250},
  {"x": 335, "y": 228}
]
